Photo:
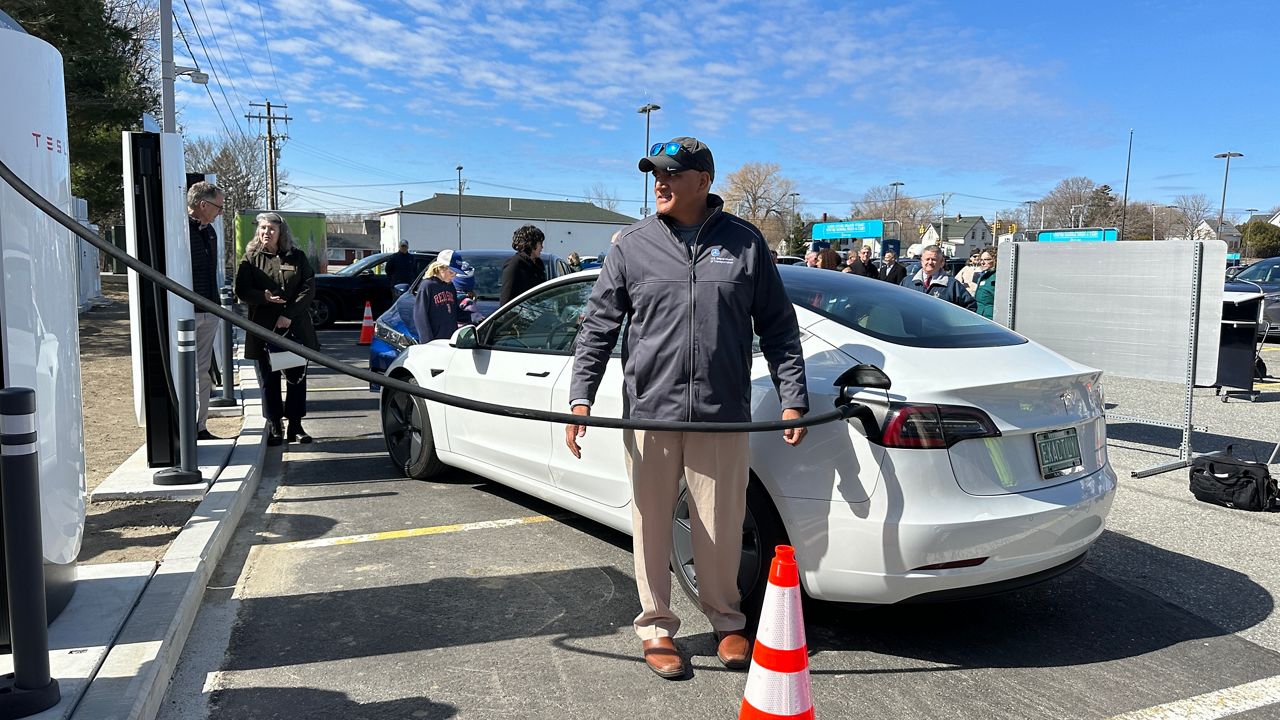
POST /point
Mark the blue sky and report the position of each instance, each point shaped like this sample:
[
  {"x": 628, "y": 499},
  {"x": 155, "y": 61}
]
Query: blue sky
[{"x": 994, "y": 101}]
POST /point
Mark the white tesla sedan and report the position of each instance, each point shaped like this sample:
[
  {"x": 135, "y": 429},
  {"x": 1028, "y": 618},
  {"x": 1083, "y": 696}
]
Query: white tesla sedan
[{"x": 983, "y": 468}]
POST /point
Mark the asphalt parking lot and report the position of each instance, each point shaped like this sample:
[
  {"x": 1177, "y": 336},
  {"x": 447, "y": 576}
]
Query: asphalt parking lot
[{"x": 351, "y": 592}]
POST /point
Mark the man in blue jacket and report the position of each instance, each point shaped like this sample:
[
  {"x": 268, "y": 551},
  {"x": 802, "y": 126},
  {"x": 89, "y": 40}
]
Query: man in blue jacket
[
  {"x": 691, "y": 283},
  {"x": 932, "y": 278}
]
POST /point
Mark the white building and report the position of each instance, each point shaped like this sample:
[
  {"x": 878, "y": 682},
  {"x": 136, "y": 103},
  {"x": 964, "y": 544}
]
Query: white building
[
  {"x": 488, "y": 222},
  {"x": 1230, "y": 234},
  {"x": 963, "y": 234}
]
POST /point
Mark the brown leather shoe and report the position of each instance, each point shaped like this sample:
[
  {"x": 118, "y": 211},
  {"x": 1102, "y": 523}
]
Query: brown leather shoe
[
  {"x": 734, "y": 650},
  {"x": 663, "y": 658}
]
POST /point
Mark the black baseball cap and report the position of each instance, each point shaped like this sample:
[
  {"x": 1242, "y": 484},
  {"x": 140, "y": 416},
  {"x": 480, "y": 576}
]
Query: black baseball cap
[{"x": 682, "y": 153}]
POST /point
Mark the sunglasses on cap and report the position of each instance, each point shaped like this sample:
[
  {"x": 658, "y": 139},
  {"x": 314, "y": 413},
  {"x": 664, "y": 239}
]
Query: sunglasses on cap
[{"x": 670, "y": 149}]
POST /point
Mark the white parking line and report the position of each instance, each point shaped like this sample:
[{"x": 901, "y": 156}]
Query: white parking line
[{"x": 1217, "y": 704}]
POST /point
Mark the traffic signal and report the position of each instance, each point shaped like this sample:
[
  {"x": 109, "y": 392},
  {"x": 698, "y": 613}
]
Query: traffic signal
[{"x": 1013, "y": 227}]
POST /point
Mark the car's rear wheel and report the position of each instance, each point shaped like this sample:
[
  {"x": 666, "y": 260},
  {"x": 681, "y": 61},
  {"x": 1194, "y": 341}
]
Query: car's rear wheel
[
  {"x": 324, "y": 311},
  {"x": 406, "y": 426},
  {"x": 762, "y": 531}
]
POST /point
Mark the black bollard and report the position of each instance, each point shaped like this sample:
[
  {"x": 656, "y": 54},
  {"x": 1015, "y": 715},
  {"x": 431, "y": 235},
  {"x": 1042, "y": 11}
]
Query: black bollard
[
  {"x": 228, "y": 398},
  {"x": 30, "y": 688},
  {"x": 188, "y": 472}
]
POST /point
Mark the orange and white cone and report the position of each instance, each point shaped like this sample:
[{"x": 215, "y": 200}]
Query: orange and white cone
[
  {"x": 778, "y": 682},
  {"x": 366, "y": 326}
]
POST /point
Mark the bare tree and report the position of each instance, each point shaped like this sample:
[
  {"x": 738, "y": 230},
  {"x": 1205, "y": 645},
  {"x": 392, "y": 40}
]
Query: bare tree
[
  {"x": 1066, "y": 202},
  {"x": 758, "y": 192},
  {"x": 878, "y": 202},
  {"x": 1190, "y": 211},
  {"x": 601, "y": 197}
]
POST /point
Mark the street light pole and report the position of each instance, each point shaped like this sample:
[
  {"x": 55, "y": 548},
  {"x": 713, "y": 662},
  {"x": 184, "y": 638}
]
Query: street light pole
[
  {"x": 895, "y": 185},
  {"x": 1124, "y": 206},
  {"x": 1226, "y": 173},
  {"x": 459, "y": 207},
  {"x": 646, "y": 109},
  {"x": 794, "y": 219}
]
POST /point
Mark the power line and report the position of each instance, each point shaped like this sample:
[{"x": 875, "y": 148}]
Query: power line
[
  {"x": 390, "y": 184},
  {"x": 348, "y": 197},
  {"x": 210, "y": 59},
  {"x": 217, "y": 46},
  {"x": 351, "y": 164},
  {"x": 266, "y": 43},
  {"x": 212, "y": 102},
  {"x": 243, "y": 61}
]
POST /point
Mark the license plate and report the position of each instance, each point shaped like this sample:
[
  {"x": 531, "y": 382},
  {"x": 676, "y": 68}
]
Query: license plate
[{"x": 1058, "y": 452}]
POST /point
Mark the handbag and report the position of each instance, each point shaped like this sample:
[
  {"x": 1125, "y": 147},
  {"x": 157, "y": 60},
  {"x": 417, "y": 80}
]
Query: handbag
[
  {"x": 282, "y": 359},
  {"x": 1223, "y": 479}
]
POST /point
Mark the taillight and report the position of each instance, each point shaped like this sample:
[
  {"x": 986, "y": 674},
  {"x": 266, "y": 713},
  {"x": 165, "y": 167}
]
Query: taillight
[{"x": 935, "y": 426}]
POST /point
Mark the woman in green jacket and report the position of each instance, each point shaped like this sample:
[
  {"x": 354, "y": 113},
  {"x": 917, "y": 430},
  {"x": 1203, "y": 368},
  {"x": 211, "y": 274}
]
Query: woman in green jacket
[
  {"x": 276, "y": 282},
  {"x": 986, "y": 282}
]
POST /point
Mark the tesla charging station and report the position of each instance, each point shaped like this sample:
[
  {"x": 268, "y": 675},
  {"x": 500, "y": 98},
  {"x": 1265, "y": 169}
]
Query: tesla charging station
[
  {"x": 39, "y": 332},
  {"x": 156, "y": 234}
]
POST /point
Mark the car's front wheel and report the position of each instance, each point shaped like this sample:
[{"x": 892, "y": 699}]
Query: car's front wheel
[
  {"x": 406, "y": 426},
  {"x": 762, "y": 531},
  {"x": 324, "y": 312}
]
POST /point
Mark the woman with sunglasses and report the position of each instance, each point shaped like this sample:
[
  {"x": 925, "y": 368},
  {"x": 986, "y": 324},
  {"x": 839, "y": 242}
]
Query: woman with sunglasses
[{"x": 985, "y": 283}]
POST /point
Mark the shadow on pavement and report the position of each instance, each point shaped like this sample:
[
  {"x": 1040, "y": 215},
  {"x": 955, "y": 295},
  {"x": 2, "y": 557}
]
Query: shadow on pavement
[
  {"x": 440, "y": 613},
  {"x": 1201, "y": 442},
  {"x": 253, "y": 702},
  {"x": 1078, "y": 618}
]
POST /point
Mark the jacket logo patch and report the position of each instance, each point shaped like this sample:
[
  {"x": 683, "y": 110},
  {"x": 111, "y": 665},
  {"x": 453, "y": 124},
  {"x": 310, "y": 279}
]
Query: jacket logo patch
[{"x": 720, "y": 257}]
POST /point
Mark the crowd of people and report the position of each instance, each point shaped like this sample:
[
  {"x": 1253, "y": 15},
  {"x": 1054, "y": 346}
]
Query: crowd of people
[{"x": 973, "y": 287}]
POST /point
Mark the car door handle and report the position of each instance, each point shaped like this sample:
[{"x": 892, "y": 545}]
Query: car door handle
[{"x": 544, "y": 373}]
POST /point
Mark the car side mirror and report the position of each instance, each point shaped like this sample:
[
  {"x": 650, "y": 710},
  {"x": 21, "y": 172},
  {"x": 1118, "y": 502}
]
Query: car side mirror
[
  {"x": 464, "y": 338},
  {"x": 399, "y": 289}
]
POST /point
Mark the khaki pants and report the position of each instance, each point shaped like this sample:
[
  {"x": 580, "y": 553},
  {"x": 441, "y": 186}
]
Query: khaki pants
[
  {"x": 206, "y": 336},
  {"x": 715, "y": 468}
]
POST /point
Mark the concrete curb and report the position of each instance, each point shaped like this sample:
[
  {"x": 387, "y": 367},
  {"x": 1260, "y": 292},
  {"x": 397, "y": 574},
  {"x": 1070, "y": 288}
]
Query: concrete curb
[{"x": 132, "y": 680}]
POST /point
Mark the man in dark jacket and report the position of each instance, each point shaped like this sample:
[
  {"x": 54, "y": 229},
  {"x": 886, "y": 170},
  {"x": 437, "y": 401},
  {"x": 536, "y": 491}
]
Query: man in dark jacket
[
  {"x": 204, "y": 205},
  {"x": 861, "y": 265},
  {"x": 690, "y": 283},
  {"x": 932, "y": 278},
  {"x": 523, "y": 270},
  {"x": 401, "y": 267},
  {"x": 891, "y": 270}
]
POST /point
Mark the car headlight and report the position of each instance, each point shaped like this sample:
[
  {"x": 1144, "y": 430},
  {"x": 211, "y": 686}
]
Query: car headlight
[{"x": 392, "y": 337}]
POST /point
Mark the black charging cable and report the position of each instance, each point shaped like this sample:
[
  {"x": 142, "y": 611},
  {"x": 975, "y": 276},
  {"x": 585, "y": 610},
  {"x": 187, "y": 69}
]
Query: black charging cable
[{"x": 841, "y": 412}]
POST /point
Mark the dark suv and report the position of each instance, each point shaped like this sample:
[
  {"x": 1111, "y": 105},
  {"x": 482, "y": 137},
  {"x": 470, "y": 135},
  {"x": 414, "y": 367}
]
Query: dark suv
[{"x": 342, "y": 295}]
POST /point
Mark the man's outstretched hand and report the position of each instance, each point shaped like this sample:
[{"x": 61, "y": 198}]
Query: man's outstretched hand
[{"x": 573, "y": 432}]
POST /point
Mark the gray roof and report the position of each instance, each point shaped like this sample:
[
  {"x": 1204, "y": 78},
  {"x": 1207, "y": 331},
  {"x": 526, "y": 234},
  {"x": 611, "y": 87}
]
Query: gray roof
[
  {"x": 354, "y": 241},
  {"x": 516, "y": 208},
  {"x": 954, "y": 225}
]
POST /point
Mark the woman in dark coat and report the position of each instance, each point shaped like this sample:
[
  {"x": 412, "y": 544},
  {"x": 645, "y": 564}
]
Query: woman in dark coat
[
  {"x": 276, "y": 282},
  {"x": 524, "y": 269}
]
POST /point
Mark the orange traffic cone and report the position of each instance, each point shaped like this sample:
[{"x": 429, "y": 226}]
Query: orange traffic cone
[
  {"x": 778, "y": 682},
  {"x": 366, "y": 327}
]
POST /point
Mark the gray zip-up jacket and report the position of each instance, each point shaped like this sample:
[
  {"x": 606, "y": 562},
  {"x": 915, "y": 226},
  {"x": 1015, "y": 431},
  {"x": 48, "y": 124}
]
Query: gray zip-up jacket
[{"x": 689, "y": 316}]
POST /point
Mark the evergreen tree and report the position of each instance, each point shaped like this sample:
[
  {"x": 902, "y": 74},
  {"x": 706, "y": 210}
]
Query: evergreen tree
[{"x": 108, "y": 86}]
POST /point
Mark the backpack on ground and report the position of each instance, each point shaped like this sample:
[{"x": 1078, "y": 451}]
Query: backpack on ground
[{"x": 1223, "y": 479}]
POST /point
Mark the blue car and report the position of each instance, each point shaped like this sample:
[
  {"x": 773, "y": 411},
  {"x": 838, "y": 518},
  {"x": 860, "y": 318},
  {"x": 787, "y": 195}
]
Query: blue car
[{"x": 393, "y": 331}]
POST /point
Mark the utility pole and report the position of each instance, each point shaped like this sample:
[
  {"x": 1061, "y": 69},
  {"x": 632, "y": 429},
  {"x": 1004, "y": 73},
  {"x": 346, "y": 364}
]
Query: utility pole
[
  {"x": 459, "y": 207},
  {"x": 942, "y": 226},
  {"x": 273, "y": 154}
]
